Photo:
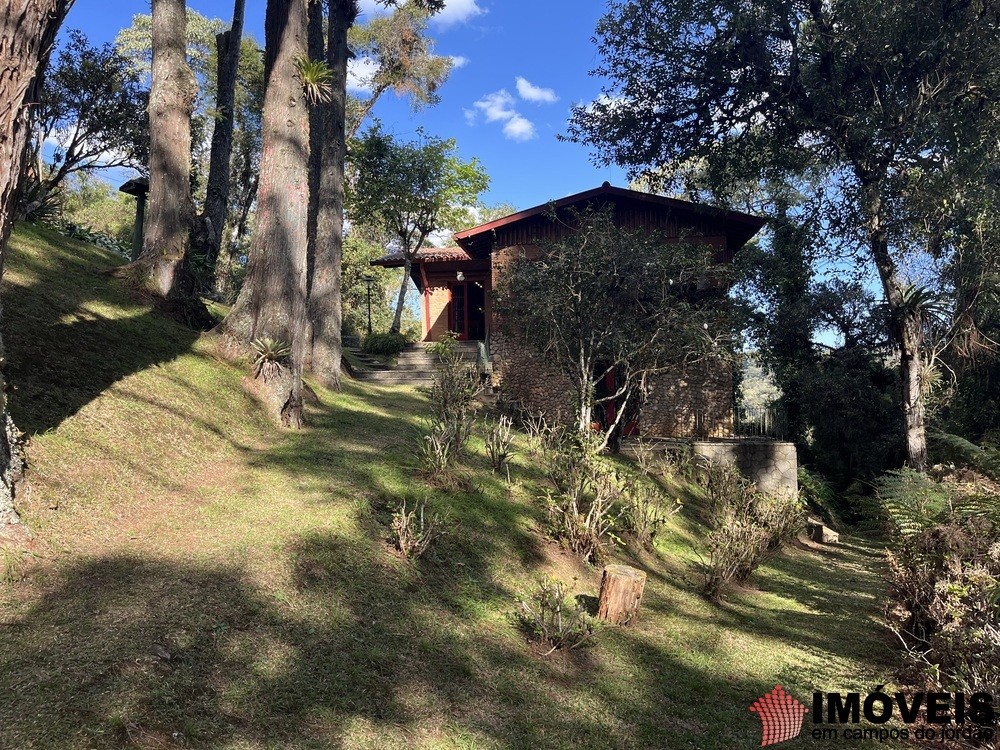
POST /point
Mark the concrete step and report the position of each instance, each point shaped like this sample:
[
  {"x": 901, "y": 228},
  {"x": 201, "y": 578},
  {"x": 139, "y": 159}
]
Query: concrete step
[{"x": 398, "y": 376}]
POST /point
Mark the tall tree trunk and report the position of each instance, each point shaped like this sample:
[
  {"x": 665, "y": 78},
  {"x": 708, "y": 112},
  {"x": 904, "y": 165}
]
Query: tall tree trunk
[
  {"x": 906, "y": 328},
  {"x": 206, "y": 238},
  {"x": 171, "y": 101},
  {"x": 317, "y": 114},
  {"x": 27, "y": 31},
  {"x": 272, "y": 302},
  {"x": 397, "y": 320},
  {"x": 325, "y": 310}
]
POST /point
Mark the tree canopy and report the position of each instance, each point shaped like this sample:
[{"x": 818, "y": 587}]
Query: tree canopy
[
  {"x": 410, "y": 190},
  {"x": 895, "y": 105}
]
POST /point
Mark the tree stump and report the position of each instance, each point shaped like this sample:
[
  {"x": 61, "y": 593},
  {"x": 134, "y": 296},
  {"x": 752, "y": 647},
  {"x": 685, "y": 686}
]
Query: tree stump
[{"x": 621, "y": 593}]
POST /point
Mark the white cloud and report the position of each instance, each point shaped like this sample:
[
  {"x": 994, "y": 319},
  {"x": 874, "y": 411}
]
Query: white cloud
[
  {"x": 519, "y": 128},
  {"x": 360, "y": 74},
  {"x": 499, "y": 107},
  {"x": 457, "y": 61},
  {"x": 532, "y": 93},
  {"x": 456, "y": 12},
  {"x": 453, "y": 13}
]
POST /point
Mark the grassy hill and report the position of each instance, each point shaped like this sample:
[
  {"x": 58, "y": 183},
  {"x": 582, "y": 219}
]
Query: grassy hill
[{"x": 200, "y": 578}]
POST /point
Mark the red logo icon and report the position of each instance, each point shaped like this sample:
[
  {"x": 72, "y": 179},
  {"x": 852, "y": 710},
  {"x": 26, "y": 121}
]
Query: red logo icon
[{"x": 780, "y": 716}]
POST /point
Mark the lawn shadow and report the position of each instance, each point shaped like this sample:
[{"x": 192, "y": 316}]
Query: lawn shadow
[{"x": 71, "y": 332}]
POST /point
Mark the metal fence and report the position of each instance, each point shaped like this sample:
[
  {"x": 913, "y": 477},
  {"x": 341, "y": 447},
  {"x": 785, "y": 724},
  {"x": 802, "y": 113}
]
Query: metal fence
[{"x": 766, "y": 422}]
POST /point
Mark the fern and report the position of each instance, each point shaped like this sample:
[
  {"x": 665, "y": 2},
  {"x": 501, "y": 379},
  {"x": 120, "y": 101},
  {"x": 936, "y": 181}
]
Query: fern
[
  {"x": 958, "y": 450},
  {"x": 911, "y": 501}
]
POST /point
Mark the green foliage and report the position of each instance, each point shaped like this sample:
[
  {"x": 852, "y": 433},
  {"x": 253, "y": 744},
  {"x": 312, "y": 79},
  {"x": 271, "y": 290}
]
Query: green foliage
[
  {"x": 957, "y": 450},
  {"x": 714, "y": 90},
  {"x": 584, "y": 502},
  {"x": 549, "y": 616},
  {"x": 316, "y": 78},
  {"x": 93, "y": 107},
  {"x": 409, "y": 190},
  {"x": 821, "y": 497},
  {"x": 386, "y": 344},
  {"x": 403, "y": 57},
  {"x": 912, "y": 503},
  {"x": 270, "y": 357},
  {"x": 646, "y": 509},
  {"x": 748, "y": 527},
  {"x": 88, "y": 201}
]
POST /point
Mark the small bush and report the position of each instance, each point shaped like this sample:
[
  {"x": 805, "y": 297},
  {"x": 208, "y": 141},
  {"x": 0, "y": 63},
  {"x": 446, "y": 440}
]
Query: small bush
[
  {"x": 414, "y": 531},
  {"x": 434, "y": 450},
  {"x": 550, "y": 617},
  {"x": 645, "y": 509},
  {"x": 584, "y": 502},
  {"x": 748, "y": 527},
  {"x": 499, "y": 441},
  {"x": 944, "y": 583},
  {"x": 385, "y": 344},
  {"x": 456, "y": 385}
]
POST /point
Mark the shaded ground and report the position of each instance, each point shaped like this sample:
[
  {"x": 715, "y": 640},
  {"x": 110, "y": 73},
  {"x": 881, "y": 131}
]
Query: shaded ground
[{"x": 201, "y": 579}]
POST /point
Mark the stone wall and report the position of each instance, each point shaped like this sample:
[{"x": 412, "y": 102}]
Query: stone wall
[
  {"x": 526, "y": 381},
  {"x": 693, "y": 401},
  {"x": 771, "y": 465}
]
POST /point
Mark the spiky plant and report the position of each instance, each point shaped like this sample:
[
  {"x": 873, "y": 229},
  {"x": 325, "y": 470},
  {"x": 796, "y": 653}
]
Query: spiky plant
[
  {"x": 317, "y": 79},
  {"x": 270, "y": 356}
]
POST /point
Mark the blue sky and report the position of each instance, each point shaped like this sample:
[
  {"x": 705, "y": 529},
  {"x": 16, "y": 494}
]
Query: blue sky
[{"x": 522, "y": 65}]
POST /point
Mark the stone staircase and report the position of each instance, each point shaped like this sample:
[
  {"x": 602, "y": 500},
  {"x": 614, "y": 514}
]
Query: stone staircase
[{"x": 414, "y": 366}]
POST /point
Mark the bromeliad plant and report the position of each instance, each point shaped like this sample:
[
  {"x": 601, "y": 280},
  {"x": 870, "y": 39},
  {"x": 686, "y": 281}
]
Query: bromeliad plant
[{"x": 269, "y": 358}]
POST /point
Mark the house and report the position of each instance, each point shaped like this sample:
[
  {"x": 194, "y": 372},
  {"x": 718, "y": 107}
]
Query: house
[{"x": 455, "y": 284}]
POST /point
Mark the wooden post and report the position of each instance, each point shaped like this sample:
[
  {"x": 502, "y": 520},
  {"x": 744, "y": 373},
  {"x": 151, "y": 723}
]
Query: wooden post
[{"x": 621, "y": 593}]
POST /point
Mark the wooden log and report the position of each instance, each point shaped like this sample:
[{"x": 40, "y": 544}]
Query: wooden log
[{"x": 621, "y": 593}]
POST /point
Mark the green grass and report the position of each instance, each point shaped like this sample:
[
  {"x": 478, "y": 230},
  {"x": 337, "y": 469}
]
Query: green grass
[{"x": 200, "y": 578}]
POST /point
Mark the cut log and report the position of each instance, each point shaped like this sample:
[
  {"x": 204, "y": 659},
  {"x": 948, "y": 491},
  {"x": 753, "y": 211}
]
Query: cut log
[{"x": 621, "y": 593}]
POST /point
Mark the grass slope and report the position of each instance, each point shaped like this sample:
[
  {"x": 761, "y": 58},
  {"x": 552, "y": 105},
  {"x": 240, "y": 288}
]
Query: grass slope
[{"x": 202, "y": 579}]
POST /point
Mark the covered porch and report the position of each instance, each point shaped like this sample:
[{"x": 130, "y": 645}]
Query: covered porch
[{"x": 454, "y": 292}]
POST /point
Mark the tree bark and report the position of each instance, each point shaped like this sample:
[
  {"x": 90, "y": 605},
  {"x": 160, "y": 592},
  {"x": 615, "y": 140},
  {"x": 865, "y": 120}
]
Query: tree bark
[
  {"x": 27, "y": 31},
  {"x": 171, "y": 102},
  {"x": 325, "y": 311},
  {"x": 621, "y": 594},
  {"x": 908, "y": 332},
  {"x": 272, "y": 302},
  {"x": 397, "y": 320},
  {"x": 206, "y": 238}
]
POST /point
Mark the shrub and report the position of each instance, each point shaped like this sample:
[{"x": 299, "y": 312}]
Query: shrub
[
  {"x": 414, "y": 531},
  {"x": 499, "y": 439},
  {"x": 269, "y": 357},
  {"x": 548, "y": 615},
  {"x": 748, "y": 527},
  {"x": 456, "y": 385},
  {"x": 386, "y": 344},
  {"x": 435, "y": 450},
  {"x": 667, "y": 463},
  {"x": 944, "y": 582},
  {"x": 645, "y": 509},
  {"x": 584, "y": 503}
]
